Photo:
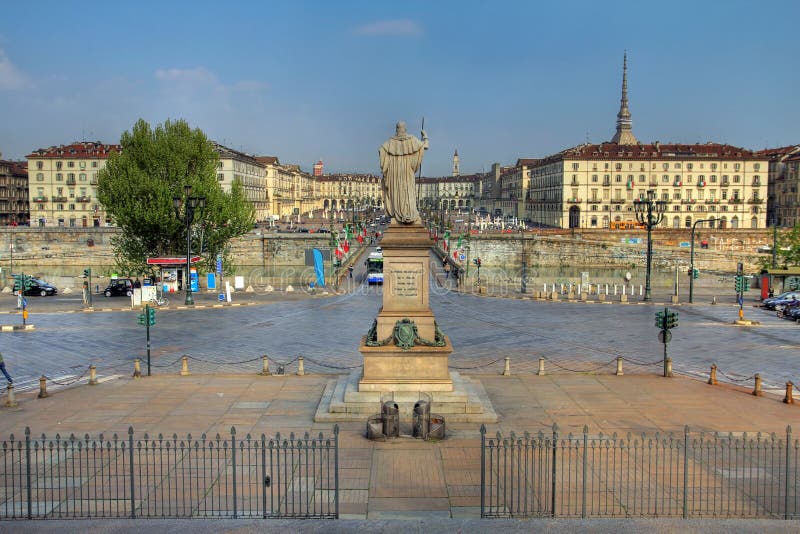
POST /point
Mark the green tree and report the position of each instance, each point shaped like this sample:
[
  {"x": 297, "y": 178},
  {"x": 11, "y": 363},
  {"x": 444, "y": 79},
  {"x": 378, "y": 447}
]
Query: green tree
[
  {"x": 137, "y": 186},
  {"x": 788, "y": 250}
]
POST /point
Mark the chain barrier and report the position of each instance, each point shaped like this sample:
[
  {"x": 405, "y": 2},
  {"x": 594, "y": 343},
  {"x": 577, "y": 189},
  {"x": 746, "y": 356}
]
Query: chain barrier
[
  {"x": 735, "y": 379},
  {"x": 458, "y": 368},
  {"x": 167, "y": 364},
  {"x": 224, "y": 362},
  {"x": 284, "y": 364},
  {"x": 56, "y": 382},
  {"x": 639, "y": 362},
  {"x": 315, "y": 362},
  {"x": 590, "y": 370}
]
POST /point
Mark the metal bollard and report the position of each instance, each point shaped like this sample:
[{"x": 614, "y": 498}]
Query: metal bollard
[
  {"x": 265, "y": 365},
  {"x": 757, "y": 389},
  {"x": 712, "y": 378},
  {"x": 788, "y": 399},
  {"x": 619, "y": 366},
  {"x": 137, "y": 368},
  {"x": 507, "y": 368},
  {"x": 11, "y": 402},
  {"x": 669, "y": 368},
  {"x": 541, "y": 366},
  {"x": 43, "y": 394},
  {"x": 301, "y": 370},
  {"x": 185, "y": 365},
  {"x": 92, "y": 375}
]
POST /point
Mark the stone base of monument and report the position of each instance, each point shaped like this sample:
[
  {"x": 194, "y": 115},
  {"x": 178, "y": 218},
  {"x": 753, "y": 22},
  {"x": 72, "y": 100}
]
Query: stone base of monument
[{"x": 466, "y": 403}]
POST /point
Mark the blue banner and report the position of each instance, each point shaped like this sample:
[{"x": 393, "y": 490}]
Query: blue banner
[{"x": 319, "y": 268}]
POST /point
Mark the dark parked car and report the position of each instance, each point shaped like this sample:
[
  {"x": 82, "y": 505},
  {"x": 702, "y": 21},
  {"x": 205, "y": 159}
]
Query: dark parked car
[
  {"x": 120, "y": 287},
  {"x": 780, "y": 300},
  {"x": 41, "y": 288}
]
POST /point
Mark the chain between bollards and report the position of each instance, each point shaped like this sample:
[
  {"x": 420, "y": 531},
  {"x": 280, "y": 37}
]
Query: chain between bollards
[{"x": 507, "y": 367}]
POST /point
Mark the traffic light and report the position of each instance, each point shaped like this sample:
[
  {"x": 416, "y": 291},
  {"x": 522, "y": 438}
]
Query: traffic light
[
  {"x": 87, "y": 272},
  {"x": 660, "y": 319},
  {"x": 22, "y": 282},
  {"x": 745, "y": 284},
  {"x": 739, "y": 283},
  {"x": 695, "y": 274},
  {"x": 671, "y": 320},
  {"x": 151, "y": 316},
  {"x": 140, "y": 319}
]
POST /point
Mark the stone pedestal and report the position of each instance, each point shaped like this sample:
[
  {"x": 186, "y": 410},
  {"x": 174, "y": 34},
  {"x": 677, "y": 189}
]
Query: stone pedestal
[{"x": 406, "y": 275}]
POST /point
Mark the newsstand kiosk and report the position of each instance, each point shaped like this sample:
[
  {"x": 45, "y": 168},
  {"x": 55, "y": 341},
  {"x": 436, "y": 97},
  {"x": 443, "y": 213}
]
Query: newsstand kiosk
[{"x": 172, "y": 273}]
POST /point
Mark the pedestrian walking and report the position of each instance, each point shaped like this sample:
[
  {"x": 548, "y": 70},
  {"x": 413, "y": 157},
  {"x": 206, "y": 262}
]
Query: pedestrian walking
[
  {"x": 350, "y": 270},
  {"x": 3, "y": 368},
  {"x": 447, "y": 270}
]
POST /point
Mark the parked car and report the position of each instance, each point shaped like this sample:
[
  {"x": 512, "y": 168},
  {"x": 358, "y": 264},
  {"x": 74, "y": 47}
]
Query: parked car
[
  {"x": 41, "y": 288},
  {"x": 119, "y": 287},
  {"x": 787, "y": 310},
  {"x": 780, "y": 300}
]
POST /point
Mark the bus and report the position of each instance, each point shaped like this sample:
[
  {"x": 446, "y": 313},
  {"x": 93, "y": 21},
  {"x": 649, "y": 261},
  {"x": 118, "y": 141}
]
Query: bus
[
  {"x": 375, "y": 268},
  {"x": 626, "y": 225}
]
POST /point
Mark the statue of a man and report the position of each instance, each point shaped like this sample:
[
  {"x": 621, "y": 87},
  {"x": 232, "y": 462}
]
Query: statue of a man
[{"x": 401, "y": 157}]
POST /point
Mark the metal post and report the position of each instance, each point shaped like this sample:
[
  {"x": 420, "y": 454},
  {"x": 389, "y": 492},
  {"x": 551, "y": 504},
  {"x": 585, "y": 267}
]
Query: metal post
[
  {"x": 507, "y": 367},
  {"x": 336, "y": 467},
  {"x": 712, "y": 377},
  {"x": 137, "y": 368},
  {"x": 301, "y": 370},
  {"x": 233, "y": 467},
  {"x": 11, "y": 401},
  {"x": 757, "y": 388},
  {"x": 92, "y": 375},
  {"x": 685, "y": 471},
  {"x": 666, "y": 371},
  {"x": 185, "y": 365},
  {"x": 265, "y": 365},
  {"x": 541, "y": 366},
  {"x": 786, "y": 475},
  {"x": 553, "y": 473},
  {"x": 585, "y": 461},
  {"x": 483, "y": 469},
  {"x": 647, "y": 296},
  {"x": 28, "y": 470},
  {"x": 619, "y": 366}
]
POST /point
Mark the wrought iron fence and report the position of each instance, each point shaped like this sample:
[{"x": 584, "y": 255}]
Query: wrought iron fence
[
  {"x": 158, "y": 477},
  {"x": 690, "y": 475}
]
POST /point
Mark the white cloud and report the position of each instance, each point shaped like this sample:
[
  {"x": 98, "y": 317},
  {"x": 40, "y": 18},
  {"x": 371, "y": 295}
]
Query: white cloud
[
  {"x": 196, "y": 75},
  {"x": 10, "y": 78},
  {"x": 396, "y": 27}
]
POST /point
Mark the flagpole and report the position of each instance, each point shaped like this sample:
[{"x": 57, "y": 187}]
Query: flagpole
[{"x": 419, "y": 178}]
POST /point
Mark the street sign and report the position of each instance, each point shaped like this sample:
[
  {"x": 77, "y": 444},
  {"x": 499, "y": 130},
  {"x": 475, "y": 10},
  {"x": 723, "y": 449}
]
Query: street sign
[
  {"x": 664, "y": 336},
  {"x": 684, "y": 244},
  {"x": 219, "y": 264},
  {"x": 462, "y": 257}
]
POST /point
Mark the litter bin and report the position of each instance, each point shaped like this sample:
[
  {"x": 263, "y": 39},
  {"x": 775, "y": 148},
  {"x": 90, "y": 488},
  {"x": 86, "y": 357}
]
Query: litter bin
[
  {"x": 422, "y": 419},
  {"x": 436, "y": 430},
  {"x": 375, "y": 427},
  {"x": 390, "y": 413}
]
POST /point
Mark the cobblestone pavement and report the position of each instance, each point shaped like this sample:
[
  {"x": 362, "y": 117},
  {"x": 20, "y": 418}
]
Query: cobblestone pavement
[{"x": 571, "y": 336}]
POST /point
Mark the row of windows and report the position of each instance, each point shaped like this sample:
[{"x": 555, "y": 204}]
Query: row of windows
[
  {"x": 665, "y": 166},
  {"x": 70, "y": 165},
  {"x": 70, "y": 176},
  {"x": 676, "y": 222}
]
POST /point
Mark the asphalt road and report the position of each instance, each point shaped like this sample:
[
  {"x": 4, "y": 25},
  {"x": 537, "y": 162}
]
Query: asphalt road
[{"x": 573, "y": 337}]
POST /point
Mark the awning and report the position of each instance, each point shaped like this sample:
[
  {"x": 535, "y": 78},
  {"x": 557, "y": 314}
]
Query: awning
[{"x": 171, "y": 261}]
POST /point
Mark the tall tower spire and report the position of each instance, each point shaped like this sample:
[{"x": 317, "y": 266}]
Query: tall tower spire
[
  {"x": 624, "y": 135},
  {"x": 456, "y": 170}
]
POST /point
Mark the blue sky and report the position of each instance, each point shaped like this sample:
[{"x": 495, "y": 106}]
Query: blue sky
[{"x": 328, "y": 80}]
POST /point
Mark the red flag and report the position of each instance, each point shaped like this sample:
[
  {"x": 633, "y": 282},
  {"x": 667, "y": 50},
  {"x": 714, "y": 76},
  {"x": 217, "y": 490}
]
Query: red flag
[
  {"x": 455, "y": 254},
  {"x": 365, "y": 231},
  {"x": 346, "y": 245},
  {"x": 444, "y": 244},
  {"x": 360, "y": 238}
]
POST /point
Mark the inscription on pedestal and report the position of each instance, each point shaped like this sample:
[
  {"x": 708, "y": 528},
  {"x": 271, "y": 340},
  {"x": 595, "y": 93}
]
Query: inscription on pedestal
[{"x": 406, "y": 283}]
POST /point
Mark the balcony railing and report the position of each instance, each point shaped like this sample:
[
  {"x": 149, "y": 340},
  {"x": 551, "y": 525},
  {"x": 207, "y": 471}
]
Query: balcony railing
[
  {"x": 712, "y": 201},
  {"x": 84, "y": 199},
  {"x": 689, "y": 201},
  {"x": 573, "y": 201},
  {"x": 735, "y": 201},
  {"x": 594, "y": 201},
  {"x": 59, "y": 199},
  {"x": 606, "y": 183},
  {"x": 39, "y": 199},
  {"x": 756, "y": 183},
  {"x": 725, "y": 183},
  {"x": 618, "y": 201},
  {"x": 70, "y": 181},
  {"x": 755, "y": 201}
]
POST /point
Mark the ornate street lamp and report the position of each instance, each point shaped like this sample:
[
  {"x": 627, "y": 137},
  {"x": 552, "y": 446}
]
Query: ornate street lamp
[
  {"x": 649, "y": 212},
  {"x": 189, "y": 206}
]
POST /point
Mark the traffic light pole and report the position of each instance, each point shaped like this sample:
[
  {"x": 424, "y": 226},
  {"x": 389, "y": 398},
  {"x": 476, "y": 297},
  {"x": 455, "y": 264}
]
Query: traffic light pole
[{"x": 691, "y": 260}]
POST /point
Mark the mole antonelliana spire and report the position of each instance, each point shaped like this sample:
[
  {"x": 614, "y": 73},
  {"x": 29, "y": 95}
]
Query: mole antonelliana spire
[{"x": 624, "y": 135}]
